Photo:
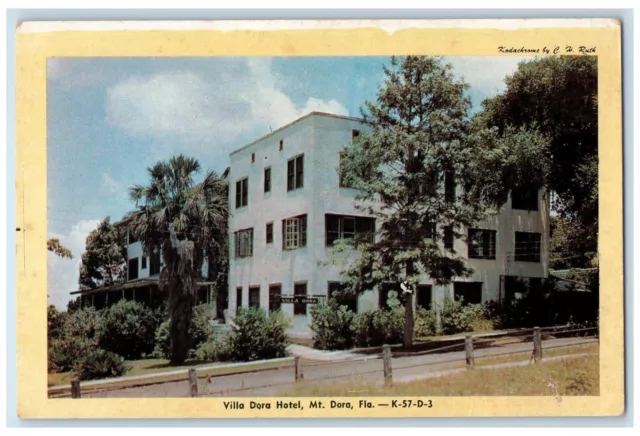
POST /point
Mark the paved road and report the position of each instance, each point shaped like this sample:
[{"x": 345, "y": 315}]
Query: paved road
[{"x": 276, "y": 382}]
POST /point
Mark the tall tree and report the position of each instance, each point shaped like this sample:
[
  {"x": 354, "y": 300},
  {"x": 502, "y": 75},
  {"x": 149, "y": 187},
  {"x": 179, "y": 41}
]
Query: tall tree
[
  {"x": 406, "y": 169},
  {"x": 60, "y": 250},
  {"x": 187, "y": 222},
  {"x": 557, "y": 98},
  {"x": 104, "y": 261}
]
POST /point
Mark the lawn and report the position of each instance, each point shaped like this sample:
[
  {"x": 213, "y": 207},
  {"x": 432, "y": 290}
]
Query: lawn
[{"x": 570, "y": 376}]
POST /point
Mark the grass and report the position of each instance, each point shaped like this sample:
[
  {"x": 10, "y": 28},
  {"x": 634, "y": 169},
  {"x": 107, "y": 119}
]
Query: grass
[
  {"x": 564, "y": 351},
  {"x": 571, "y": 376}
]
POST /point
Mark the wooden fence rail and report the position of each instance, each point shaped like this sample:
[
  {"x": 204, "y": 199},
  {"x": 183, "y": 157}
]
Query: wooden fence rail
[{"x": 387, "y": 370}]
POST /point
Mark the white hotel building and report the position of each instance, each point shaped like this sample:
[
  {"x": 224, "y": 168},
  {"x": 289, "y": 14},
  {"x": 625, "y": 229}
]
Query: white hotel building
[{"x": 288, "y": 206}]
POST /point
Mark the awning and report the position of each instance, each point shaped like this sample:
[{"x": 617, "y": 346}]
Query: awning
[{"x": 138, "y": 283}]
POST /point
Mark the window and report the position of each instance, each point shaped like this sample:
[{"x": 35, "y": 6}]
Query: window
[
  {"x": 295, "y": 173},
  {"x": 133, "y": 269},
  {"x": 275, "y": 295},
  {"x": 524, "y": 199},
  {"x": 132, "y": 238},
  {"x": 336, "y": 291},
  {"x": 238, "y": 297},
  {"x": 430, "y": 186},
  {"x": 244, "y": 243},
  {"x": 468, "y": 292},
  {"x": 242, "y": 192},
  {"x": 269, "y": 233},
  {"x": 383, "y": 294},
  {"x": 300, "y": 308},
  {"x": 450, "y": 186},
  {"x": 144, "y": 262},
  {"x": 348, "y": 227},
  {"x": 281, "y": 145},
  {"x": 253, "y": 157},
  {"x": 527, "y": 247},
  {"x": 267, "y": 180},
  {"x": 156, "y": 263},
  {"x": 254, "y": 296},
  {"x": 423, "y": 296},
  {"x": 294, "y": 232},
  {"x": 482, "y": 244},
  {"x": 354, "y": 135},
  {"x": 448, "y": 237}
]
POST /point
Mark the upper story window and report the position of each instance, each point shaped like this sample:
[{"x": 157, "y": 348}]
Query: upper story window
[
  {"x": 448, "y": 237},
  {"x": 144, "y": 262},
  {"x": 354, "y": 135},
  {"x": 295, "y": 173},
  {"x": 527, "y": 247},
  {"x": 294, "y": 232},
  {"x": 156, "y": 263},
  {"x": 243, "y": 243},
  {"x": 361, "y": 229},
  {"x": 482, "y": 244},
  {"x": 253, "y": 157},
  {"x": 267, "y": 180},
  {"x": 524, "y": 199},
  {"x": 242, "y": 192},
  {"x": 132, "y": 238},
  {"x": 281, "y": 145},
  {"x": 269, "y": 233},
  {"x": 336, "y": 291},
  {"x": 132, "y": 272}
]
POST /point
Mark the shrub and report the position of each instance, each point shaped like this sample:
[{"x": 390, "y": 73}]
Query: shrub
[
  {"x": 332, "y": 326},
  {"x": 98, "y": 363},
  {"x": 363, "y": 329},
  {"x": 55, "y": 322},
  {"x": 73, "y": 336},
  {"x": 84, "y": 323},
  {"x": 255, "y": 336},
  {"x": 65, "y": 353},
  {"x": 453, "y": 317},
  {"x": 216, "y": 349},
  {"x": 200, "y": 332},
  {"x": 128, "y": 329},
  {"x": 388, "y": 326},
  {"x": 426, "y": 323}
]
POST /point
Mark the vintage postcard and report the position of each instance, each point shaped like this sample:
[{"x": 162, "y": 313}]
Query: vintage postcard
[{"x": 331, "y": 219}]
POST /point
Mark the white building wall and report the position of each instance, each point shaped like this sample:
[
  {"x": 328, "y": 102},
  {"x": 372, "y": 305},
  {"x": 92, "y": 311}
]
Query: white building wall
[{"x": 321, "y": 138}]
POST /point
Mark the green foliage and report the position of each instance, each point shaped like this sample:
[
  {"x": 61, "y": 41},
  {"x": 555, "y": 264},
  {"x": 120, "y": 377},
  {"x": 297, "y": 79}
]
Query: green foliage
[
  {"x": 363, "y": 331},
  {"x": 65, "y": 352},
  {"x": 455, "y": 317},
  {"x": 255, "y": 336},
  {"x": 104, "y": 261},
  {"x": 216, "y": 349},
  {"x": 426, "y": 323},
  {"x": 332, "y": 326},
  {"x": 200, "y": 331},
  {"x": 388, "y": 326},
  {"x": 55, "y": 322},
  {"x": 98, "y": 364},
  {"x": 186, "y": 222},
  {"x": 58, "y": 249},
  {"x": 579, "y": 384},
  {"x": 571, "y": 245},
  {"x": 84, "y": 323},
  {"x": 128, "y": 329}
]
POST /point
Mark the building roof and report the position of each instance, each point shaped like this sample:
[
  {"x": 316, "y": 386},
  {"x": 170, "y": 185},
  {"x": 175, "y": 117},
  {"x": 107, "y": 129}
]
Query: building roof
[
  {"x": 310, "y": 114},
  {"x": 137, "y": 283}
]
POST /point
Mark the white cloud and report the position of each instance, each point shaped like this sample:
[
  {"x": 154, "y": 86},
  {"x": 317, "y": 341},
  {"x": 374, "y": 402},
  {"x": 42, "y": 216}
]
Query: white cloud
[
  {"x": 112, "y": 186},
  {"x": 207, "y": 107},
  {"x": 62, "y": 274},
  {"x": 485, "y": 74}
]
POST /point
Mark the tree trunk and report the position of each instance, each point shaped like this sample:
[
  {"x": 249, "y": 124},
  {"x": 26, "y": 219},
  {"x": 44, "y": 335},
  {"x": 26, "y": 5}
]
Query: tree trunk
[
  {"x": 181, "y": 313},
  {"x": 407, "y": 339}
]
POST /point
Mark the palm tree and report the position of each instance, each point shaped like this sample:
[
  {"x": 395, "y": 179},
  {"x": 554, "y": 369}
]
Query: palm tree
[
  {"x": 56, "y": 247},
  {"x": 187, "y": 222}
]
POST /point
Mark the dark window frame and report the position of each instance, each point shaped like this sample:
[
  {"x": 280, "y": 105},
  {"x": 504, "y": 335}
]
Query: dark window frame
[
  {"x": 470, "y": 286},
  {"x": 253, "y": 157},
  {"x": 300, "y": 308},
  {"x": 269, "y": 232},
  {"x": 267, "y": 180},
  {"x": 275, "y": 304},
  {"x": 143, "y": 262},
  {"x": 359, "y": 234},
  {"x": 419, "y": 300},
  {"x": 525, "y": 198},
  {"x": 132, "y": 273},
  {"x": 448, "y": 237},
  {"x": 238, "y": 297},
  {"x": 529, "y": 249},
  {"x": 488, "y": 240},
  {"x": 252, "y": 296},
  {"x": 450, "y": 185},
  {"x": 294, "y": 232},
  {"x": 238, "y": 247},
  {"x": 242, "y": 192},
  {"x": 281, "y": 145},
  {"x": 295, "y": 173}
]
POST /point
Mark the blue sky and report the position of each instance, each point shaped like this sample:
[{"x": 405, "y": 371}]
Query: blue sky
[{"x": 108, "y": 119}]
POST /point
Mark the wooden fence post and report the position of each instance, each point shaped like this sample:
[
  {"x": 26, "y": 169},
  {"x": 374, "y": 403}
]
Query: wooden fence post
[
  {"x": 75, "y": 388},
  {"x": 298, "y": 368},
  {"x": 537, "y": 344},
  {"x": 468, "y": 348},
  {"x": 386, "y": 365},
  {"x": 193, "y": 383}
]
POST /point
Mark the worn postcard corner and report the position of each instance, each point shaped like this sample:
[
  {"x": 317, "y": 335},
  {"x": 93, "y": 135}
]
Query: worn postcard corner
[{"x": 336, "y": 219}]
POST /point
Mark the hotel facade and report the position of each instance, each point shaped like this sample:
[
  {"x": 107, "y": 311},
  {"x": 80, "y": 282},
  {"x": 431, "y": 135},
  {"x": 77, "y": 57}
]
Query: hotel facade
[{"x": 288, "y": 206}]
